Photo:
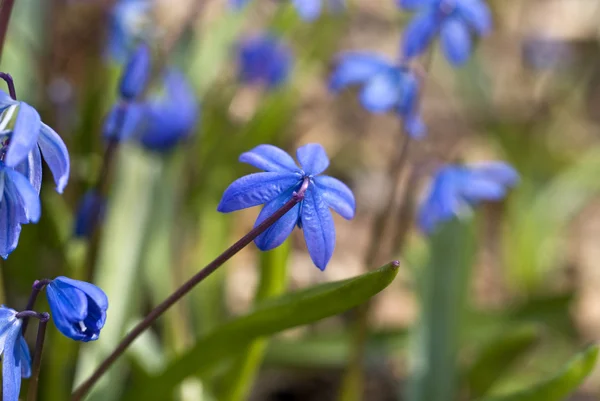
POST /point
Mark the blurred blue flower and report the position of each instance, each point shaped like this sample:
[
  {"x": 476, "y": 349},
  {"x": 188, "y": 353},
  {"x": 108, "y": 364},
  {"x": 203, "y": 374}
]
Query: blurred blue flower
[
  {"x": 264, "y": 59},
  {"x": 162, "y": 121},
  {"x": 16, "y": 360},
  {"x": 456, "y": 189},
  {"x": 78, "y": 308},
  {"x": 136, "y": 73},
  {"x": 92, "y": 207},
  {"x": 276, "y": 186},
  {"x": 385, "y": 86},
  {"x": 130, "y": 22},
  {"x": 309, "y": 10},
  {"x": 454, "y": 20}
]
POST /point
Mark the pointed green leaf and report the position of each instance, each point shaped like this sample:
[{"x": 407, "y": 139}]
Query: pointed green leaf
[
  {"x": 271, "y": 317},
  {"x": 562, "y": 384}
]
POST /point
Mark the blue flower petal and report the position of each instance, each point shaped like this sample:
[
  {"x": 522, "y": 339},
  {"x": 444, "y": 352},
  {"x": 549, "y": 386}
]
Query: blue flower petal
[
  {"x": 356, "y": 67},
  {"x": 10, "y": 226},
  {"x": 318, "y": 227},
  {"x": 6, "y": 100},
  {"x": 479, "y": 189},
  {"x": 409, "y": 94},
  {"x": 121, "y": 127},
  {"x": 312, "y": 158},
  {"x": 237, "y": 4},
  {"x": 56, "y": 156},
  {"x": 91, "y": 207},
  {"x": 67, "y": 301},
  {"x": 456, "y": 42},
  {"x": 414, "y": 126},
  {"x": 136, "y": 73},
  {"x": 29, "y": 197},
  {"x": 309, "y": 10},
  {"x": 255, "y": 189},
  {"x": 442, "y": 202},
  {"x": 419, "y": 33},
  {"x": 411, "y": 5},
  {"x": 499, "y": 172},
  {"x": 25, "y": 358},
  {"x": 278, "y": 232},
  {"x": 382, "y": 92},
  {"x": 477, "y": 14},
  {"x": 337, "y": 195},
  {"x": 90, "y": 290},
  {"x": 25, "y": 135},
  {"x": 32, "y": 168},
  {"x": 11, "y": 364},
  {"x": 269, "y": 158}
]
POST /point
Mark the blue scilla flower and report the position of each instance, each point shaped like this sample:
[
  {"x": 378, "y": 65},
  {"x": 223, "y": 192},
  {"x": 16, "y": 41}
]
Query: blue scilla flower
[
  {"x": 309, "y": 10},
  {"x": 78, "y": 308},
  {"x": 385, "y": 87},
  {"x": 136, "y": 73},
  {"x": 457, "y": 188},
  {"x": 454, "y": 20},
  {"x": 92, "y": 206},
  {"x": 130, "y": 22},
  {"x": 162, "y": 121},
  {"x": 275, "y": 186},
  {"x": 264, "y": 59},
  {"x": 16, "y": 360}
]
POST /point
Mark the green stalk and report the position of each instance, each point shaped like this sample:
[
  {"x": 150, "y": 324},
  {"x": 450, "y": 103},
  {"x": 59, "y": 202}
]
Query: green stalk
[
  {"x": 273, "y": 281},
  {"x": 444, "y": 286},
  {"x": 118, "y": 260}
]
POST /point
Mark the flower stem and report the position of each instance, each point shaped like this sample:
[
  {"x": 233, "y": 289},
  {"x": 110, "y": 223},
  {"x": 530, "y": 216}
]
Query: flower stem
[
  {"x": 37, "y": 357},
  {"x": 83, "y": 389},
  {"x": 6, "y": 77},
  {"x": 36, "y": 288},
  {"x": 5, "y": 11}
]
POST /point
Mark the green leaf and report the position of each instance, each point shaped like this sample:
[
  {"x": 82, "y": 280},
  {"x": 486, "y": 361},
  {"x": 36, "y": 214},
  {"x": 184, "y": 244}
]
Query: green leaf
[
  {"x": 499, "y": 356},
  {"x": 271, "y": 317},
  {"x": 561, "y": 385}
]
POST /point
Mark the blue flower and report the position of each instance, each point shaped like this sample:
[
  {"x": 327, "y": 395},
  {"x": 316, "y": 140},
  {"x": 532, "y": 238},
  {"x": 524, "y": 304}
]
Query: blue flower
[
  {"x": 309, "y": 10},
  {"x": 159, "y": 123},
  {"x": 452, "y": 19},
  {"x": 276, "y": 186},
  {"x": 136, "y": 73},
  {"x": 264, "y": 59},
  {"x": 92, "y": 206},
  {"x": 16, "y": 360},
  {"x": 78, "y": 308},
  {"x": 385, "y": 87},
  {"x": 130, "y": 22},
  {"x": 457, "y": 188}
]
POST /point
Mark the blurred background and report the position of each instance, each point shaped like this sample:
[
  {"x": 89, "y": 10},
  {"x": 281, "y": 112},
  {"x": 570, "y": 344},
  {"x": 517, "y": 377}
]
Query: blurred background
[{"x": 529, "y": 96}]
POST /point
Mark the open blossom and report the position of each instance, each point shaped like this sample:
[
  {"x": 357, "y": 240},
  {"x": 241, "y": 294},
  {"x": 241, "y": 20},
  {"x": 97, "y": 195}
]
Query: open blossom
[
  {"x": 16, "y": 360},
  {"x": 276, "y": 186},
  {"x": 385, "y": 87},
  {"x": 453, "y": 20},
  {"x": 78, "y": 308},
  {"x": 264, "y": 59},
  {"x": 456, "y": 189}
]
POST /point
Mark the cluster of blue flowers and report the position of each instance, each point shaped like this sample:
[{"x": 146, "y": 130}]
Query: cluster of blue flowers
[{"x": 78, "y": 311}]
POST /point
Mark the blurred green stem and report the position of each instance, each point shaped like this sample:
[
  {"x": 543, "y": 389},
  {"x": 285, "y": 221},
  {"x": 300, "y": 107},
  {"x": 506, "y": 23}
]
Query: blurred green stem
[
  {"x": 5, "y": 12},
  {"x": 273, "y": 279},
  {"x": 444, "y": 285},
  {"x": 352, "y": 388}
]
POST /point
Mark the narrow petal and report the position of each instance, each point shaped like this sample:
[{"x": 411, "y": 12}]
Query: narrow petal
[
  {"x": 90, "y": 290},
  {"x": 441, "y": 202},
  {"x": 456, "y": 42},
  {"x": 7, "y": 320},
  {"x": 312, "y": 158},
  {"x": 381, "y": 93},
  {"x": 269, "y": 158},
  {"x": 255, "y": 189},
  {"x": 477, "y": 14},
  {"x": 124, "y": 122},
  {"x": 355, "y": 68},
  {"x": 500, "y": 172},
  {"x": 29, "y": 197},
  {"x": 11, "y": 365},
  {"x": 411, "y": 5},
  {"x": 32, "y": 168},
  {"x": 10, "y": 228},
  {"x": 337, "y": 195},
  {"x": 409, "y": 93},
  {"x": 56, "y": 155},
  {"x": 419, "y": 33},
  {"x": 309, "y": 10},
  {"x": 278, "y": 232},
  {"x": 25, "y": 357},
  {"x": 136, "y": 73},
  {"x": 66, "y": 301},
  {"x": 6, "y": 100},
  {"x": 318, "y": 227},
  {"x": 478, "y": 189},
  {"x": 25, "y": 135}
]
